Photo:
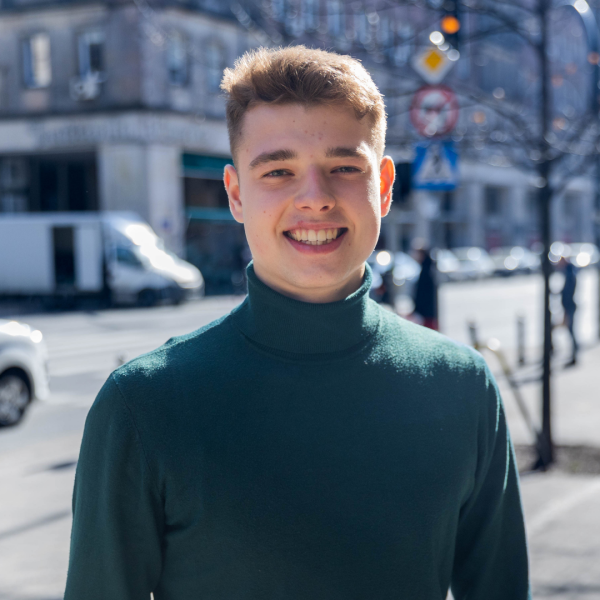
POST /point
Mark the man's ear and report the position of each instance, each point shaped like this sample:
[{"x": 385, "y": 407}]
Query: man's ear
[
  {"x": 387, "y": 174},
  {"x": 232, "y": 185}
]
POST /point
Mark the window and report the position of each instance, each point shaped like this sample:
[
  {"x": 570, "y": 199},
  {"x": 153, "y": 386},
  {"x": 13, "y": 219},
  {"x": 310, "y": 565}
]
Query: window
[
  {"x": 570, "y": 205},
  {"x": 533, "y": 199},
  {"x": 91, "y": 54},
  {"x": 405, "y": 45},
  {"x": 386, "y": 34},
  {"x": 335, "y": 17},
  {"x": 493, "y": 199},
  {"x": 177, "y": 59},
  {"x": 448, "y": 202},
  {"x": 363, "y": 28},
  {"x": 294, "y": 24},
  {"x": 37, "y": 70},
  {"x": 310, "y": 12},
  {"x": 127, "y": 257},
  {"x": 214, "y": 67},
  {"x": 278, "y": 9},
  {"x": 3, "y": 87}
]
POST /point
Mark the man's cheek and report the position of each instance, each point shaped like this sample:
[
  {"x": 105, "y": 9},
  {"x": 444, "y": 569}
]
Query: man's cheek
[{"x": 257, "y": 241}]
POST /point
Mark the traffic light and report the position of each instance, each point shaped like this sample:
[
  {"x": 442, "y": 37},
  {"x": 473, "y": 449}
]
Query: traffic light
[{"x": 450, "y": 23}]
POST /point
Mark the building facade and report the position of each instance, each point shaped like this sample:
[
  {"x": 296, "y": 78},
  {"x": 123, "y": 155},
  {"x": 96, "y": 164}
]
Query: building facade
[{"x": 115, "y": 105}]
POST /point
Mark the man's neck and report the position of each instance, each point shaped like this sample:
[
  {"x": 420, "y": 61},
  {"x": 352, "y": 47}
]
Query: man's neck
[{"x": 314, "y": 295}]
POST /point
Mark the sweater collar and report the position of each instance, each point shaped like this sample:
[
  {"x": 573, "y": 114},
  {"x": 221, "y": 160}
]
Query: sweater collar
[{"x": 283, "y": 324}]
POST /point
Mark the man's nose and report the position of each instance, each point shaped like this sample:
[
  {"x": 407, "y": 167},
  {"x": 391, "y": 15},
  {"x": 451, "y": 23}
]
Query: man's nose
[{"x": 315, "y": 193}]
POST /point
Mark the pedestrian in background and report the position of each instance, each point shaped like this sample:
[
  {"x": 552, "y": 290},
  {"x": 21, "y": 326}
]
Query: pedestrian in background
[
  {"x": 425, "y": 299},
  {"x": 567, "y": 297}
]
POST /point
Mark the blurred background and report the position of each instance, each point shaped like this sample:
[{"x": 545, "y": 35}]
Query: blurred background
[{"x": 115, "y": 233}]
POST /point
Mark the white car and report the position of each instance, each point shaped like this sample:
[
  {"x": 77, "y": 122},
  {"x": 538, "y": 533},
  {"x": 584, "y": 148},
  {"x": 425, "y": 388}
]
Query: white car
[{"x": 23, "y": 372}]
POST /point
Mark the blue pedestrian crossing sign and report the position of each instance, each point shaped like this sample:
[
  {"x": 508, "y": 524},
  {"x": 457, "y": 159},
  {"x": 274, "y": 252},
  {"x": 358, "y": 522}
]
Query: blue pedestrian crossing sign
[{"x": 435, "y": 166}]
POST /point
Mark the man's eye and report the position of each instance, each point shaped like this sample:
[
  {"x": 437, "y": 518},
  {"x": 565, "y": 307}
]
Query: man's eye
[
  {"x": 276, "y": 173},
  {"x": 347, "y": 170}
]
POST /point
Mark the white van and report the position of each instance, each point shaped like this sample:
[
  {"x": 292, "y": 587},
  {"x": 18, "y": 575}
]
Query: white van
[{"x": 71, "y": 255}]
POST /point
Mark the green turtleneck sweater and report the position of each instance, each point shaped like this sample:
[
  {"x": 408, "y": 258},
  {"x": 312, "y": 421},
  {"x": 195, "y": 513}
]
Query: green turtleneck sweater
[{"x": 296, "y": 451}]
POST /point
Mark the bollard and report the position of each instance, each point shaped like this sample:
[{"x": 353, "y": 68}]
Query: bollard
[
  {"x": 473, "y": 334},
  {"x": 521, "y": 340}
]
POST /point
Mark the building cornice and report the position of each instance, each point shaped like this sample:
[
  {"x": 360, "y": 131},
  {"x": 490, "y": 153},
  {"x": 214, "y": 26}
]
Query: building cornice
[{"x": 60, "y": 133}]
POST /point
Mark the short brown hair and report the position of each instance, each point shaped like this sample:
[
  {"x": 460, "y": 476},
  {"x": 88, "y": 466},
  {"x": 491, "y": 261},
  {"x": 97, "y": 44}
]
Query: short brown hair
[{"x": 300, "y": 75}]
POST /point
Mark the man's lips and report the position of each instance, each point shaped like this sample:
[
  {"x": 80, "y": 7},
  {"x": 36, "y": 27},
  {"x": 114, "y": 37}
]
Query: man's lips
[
  {"x": 315, "y": 235},
  {"x": 318, "y": 246}
]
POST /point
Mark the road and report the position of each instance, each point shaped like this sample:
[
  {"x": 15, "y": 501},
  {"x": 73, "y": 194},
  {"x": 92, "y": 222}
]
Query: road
[{"x": 38, "y": 458}]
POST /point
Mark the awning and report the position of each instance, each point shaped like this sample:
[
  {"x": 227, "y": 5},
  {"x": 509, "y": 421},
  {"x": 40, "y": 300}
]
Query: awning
[
  {"x": 210, "y": 214},
  {"x": 204, "y": 167}
]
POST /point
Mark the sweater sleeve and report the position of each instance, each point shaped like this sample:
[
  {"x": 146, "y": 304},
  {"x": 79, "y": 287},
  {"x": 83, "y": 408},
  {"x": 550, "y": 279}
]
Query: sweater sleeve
[
  {"x": 117, "y": 513},
  {"x": 491, "y": 549}
]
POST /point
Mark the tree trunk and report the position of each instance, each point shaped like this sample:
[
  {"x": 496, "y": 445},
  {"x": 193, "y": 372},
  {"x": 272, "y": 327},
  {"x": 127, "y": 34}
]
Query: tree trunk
[{"x": 545, "y": 199}]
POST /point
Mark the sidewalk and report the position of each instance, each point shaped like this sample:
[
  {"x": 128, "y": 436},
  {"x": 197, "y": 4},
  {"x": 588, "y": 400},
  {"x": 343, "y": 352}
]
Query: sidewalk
[
  {"x": 575, "y": 396},
  {"x": 563, "y": 529},
  {"x": 562, "y": 506}
]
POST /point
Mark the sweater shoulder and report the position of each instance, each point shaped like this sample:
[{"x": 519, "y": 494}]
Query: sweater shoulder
[
  {"x": 427, "y": 352},
  {"x": 449, "y": 374},
  {"x": 436, "y": 344},
  {"x": 178, "y": 359}
]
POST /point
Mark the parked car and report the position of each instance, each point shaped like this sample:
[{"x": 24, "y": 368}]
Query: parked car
[
  {"x": 475, "y": 263},
  {"x": 23, "y": 372},
  {"x": 400, "y": 269},
  {"x": 512, "y": 260},
  {"x": 583, "y": 255},
  {"x": 446, "y": 262}
]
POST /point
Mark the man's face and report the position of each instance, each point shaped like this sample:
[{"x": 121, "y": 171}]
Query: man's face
[{"x": 311, "y": 191}]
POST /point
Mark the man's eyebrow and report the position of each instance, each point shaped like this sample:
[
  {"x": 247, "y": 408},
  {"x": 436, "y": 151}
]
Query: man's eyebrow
[
  {"x": 276, "y": 155},
  {"x": 345, "y": 152}
]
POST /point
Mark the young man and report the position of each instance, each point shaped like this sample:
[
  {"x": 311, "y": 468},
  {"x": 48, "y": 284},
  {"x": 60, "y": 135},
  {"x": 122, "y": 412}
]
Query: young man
[{"x": 309, "y": 445}]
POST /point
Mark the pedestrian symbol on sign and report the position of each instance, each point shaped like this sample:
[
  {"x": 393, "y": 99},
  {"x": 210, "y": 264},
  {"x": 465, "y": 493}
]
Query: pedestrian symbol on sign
[{"x": 435, "y": 167}]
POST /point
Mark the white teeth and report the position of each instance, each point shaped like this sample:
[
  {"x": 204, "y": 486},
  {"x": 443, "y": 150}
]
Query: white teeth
[{"x": 314, "y": 237}]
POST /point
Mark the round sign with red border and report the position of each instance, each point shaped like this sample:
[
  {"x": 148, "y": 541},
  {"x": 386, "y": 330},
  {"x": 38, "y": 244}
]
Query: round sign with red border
[{"x": 434, "y": 110}]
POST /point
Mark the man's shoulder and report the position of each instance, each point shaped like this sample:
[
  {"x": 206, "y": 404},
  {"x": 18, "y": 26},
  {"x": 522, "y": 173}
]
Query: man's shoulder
[
  {"x": 178, "y": 359},
  {"x": 445, "y": 375},
  {"x": 427, "y": 350}
]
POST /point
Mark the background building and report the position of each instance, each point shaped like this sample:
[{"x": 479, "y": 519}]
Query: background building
[{"x": 115, "y": 105}]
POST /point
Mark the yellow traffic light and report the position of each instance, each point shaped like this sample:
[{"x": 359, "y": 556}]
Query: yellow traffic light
[{"x": 450, "y": 24}]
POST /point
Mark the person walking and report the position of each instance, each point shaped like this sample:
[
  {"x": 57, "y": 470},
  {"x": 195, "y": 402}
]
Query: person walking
[
  {"x": 310, "y": 444},
  {"x": 567, "y": 297},
  {"x": 426, "y": 291}
]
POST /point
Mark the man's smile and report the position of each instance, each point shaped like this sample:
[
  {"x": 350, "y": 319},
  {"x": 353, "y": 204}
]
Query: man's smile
[{"x": 315, "y": 237}]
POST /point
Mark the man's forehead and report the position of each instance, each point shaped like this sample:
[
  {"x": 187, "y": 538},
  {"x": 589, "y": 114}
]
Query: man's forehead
[
  {"x": 308, "y": 118},
  {"x": 294, "y": 129}
]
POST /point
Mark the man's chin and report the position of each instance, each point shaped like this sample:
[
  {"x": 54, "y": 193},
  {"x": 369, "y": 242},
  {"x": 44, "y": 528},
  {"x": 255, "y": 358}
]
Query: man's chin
[{"x": 337, "y": 283}]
